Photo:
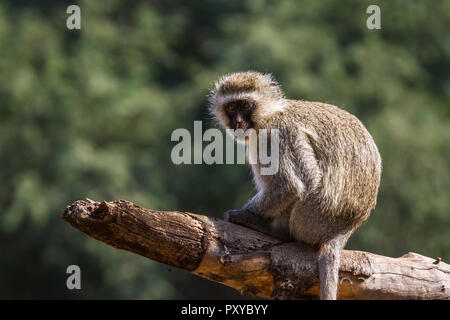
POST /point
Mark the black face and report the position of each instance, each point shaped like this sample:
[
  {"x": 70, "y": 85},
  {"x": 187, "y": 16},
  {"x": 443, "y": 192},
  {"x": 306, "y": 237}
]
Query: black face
[{"x": 240, "y": 114}]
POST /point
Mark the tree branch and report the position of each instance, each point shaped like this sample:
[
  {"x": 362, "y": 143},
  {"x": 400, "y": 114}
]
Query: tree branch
[{"x": 252, "y": 262}]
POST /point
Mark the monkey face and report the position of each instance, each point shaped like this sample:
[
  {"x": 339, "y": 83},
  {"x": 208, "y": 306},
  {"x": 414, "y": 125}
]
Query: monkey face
[{"x": 239, "y": 114}]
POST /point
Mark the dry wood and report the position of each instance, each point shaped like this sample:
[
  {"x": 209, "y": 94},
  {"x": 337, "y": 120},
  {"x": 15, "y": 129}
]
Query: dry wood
[{"x": 252, "y": 262}]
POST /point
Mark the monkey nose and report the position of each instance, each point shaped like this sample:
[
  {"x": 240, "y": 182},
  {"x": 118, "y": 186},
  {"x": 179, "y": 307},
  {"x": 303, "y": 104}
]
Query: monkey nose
[{"x": 240, "y": 125}]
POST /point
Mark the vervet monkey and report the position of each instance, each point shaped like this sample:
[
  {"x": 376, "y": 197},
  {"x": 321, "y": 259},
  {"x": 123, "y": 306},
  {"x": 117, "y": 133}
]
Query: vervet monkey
[{"x": 329, "y": 168}]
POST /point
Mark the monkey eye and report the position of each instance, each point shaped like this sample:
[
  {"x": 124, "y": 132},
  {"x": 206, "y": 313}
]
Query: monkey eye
[
  {"x": 231, "y": 107},
  {"x": 246, "y": 106}
]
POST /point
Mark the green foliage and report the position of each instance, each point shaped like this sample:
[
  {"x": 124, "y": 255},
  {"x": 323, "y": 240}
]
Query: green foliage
[{"x": 89, "y": 113}]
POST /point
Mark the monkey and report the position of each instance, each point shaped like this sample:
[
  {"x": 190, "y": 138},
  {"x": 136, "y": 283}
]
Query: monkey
[{"x": 329, "y": 168}]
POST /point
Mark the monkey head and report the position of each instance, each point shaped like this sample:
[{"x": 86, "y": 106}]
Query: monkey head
[{"x": 242, "y": 100}]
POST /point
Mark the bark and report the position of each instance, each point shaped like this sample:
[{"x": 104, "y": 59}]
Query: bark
[{"x": 251, "y": 262}]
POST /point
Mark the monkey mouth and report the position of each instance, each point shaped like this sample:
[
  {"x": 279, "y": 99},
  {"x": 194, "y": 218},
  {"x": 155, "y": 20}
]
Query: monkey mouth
[{"x": 243, "y": 126}]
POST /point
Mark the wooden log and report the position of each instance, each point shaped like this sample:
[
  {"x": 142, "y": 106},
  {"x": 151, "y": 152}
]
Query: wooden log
[{"x": 251, "y": 262}]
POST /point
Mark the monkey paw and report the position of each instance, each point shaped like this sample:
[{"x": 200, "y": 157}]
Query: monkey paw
[
  {"x": 250, "y": 220},
  {"x": 235, "y": 216},
  {"x": 246, "y": 218}
]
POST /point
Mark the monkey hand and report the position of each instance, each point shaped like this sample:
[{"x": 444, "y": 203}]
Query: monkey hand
[
  {"x": 240, "y": 216},
  {"x": 250, "y": 220}
]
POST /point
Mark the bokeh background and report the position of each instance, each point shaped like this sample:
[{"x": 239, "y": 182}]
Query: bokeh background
[{"x": 89, "y": 113}]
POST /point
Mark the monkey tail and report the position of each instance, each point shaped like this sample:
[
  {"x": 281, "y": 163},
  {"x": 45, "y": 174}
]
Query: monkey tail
[{"x": 328, "y": 262}]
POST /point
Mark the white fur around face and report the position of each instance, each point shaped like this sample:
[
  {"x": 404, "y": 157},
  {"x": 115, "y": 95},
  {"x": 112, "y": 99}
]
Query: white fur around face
[
  {"x": 262, "y": 89},
  {"x": 264, "y": 107}
]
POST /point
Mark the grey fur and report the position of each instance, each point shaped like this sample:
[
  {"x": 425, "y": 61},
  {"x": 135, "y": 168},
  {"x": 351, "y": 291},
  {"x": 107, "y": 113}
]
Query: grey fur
[{"x": 329, "y": 170}]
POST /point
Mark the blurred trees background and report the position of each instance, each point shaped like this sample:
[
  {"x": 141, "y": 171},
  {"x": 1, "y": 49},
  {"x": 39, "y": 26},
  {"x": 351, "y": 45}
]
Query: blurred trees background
[{"x": 89, "y": 113}]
